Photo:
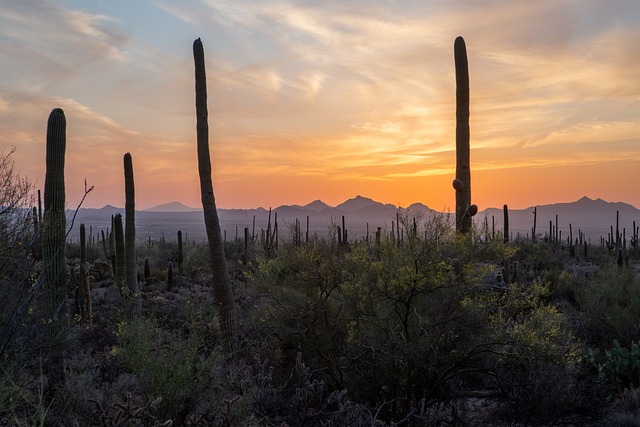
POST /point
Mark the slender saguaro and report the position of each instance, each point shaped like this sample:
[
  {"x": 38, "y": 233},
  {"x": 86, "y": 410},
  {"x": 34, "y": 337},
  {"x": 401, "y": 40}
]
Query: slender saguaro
[
  {"x": 221, "y": 282},
  {"x": 533, "y": 230},
  {"x": 131, "y": 275},
  {"x": 180, "y": 253},
  {"x": 505, "y": 212},
  {"x": 120, "y": 261},
  {"x": 462, "y": 183},
  {"x": 54, "y": 228}
]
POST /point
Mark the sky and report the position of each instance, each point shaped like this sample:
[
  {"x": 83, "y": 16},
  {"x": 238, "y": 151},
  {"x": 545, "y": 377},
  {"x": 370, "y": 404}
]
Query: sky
[{"x": 327, "y": 99}]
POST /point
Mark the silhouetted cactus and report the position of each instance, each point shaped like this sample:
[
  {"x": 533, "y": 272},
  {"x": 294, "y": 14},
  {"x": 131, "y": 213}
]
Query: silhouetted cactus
[
  {"x": 147, "y": 271},
  {"x": 131, "y": 275},
  {"x": 462, "y": 184},
  {"x": 533, "y": 230},
  {"x": 119, "y": 273},
  {"x": 109, "y": 249},
  {"x": 221, "y": 282},
  {"x": 36, "y": 248},
  {"x": 170, "y": 276},
  {"x": 54, "y": 227},
  {"x": 572, "y": 249},
  {"x": 180, "y": 253},
  {"x": 505, "y": 212}
]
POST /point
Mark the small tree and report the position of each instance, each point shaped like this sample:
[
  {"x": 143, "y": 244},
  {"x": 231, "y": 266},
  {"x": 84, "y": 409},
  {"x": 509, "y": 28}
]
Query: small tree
[{"x": 18, "y": 237}]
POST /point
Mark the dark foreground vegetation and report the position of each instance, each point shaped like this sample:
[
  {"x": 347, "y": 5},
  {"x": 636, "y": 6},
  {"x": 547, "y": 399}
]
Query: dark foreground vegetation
[{"x": 429, "y": 328}]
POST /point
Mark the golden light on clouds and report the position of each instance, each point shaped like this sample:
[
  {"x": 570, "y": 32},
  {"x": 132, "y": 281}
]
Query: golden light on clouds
[{"x": 328, "y": 100}]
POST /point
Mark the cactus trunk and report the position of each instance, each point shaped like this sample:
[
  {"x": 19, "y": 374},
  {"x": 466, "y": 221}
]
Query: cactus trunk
[
  {"x": 119, "y": 272},
  {"x": 221, "y": 282},
  {"x": 180, "y": 253},
  {"x": 131, "y": 276},
  {"x": 505, "y": 212},
  {"x": 54, "y": 227},
  {"x": 147, "y": 271},
  {"x": 462, "y": 183}
]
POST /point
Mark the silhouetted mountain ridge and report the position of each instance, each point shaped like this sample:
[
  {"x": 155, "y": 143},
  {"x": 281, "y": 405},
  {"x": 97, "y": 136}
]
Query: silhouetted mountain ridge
[
  {"x": 357, "y": 203},
  {"x": 593, "y": 217},
  {"x": 317, "y": 205},
  {"x": 172, "y": 207}
]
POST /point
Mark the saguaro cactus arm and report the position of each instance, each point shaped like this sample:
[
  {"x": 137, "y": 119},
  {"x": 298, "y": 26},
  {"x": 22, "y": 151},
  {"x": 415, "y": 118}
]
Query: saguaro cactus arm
[{"x": 221, "y": 282}]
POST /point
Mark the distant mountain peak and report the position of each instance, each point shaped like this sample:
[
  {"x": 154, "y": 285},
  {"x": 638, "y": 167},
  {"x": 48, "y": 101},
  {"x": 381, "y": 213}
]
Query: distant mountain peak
[
  {"x": 317, "y": 205},
  {"x": 417, "y": 206},
  {"x": 357, "y": 203},
  {"x": 584, "y": 199},
  {"x": 587, "y": 201},
  {"x": 360, "y": 198},
  {"x": 109, "y": 208},
  {"x": 172, "y": 207}
]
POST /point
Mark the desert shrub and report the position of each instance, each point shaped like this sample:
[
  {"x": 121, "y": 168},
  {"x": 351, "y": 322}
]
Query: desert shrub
[
  {"x": 166, "y": 367},
  {"x": 394, "y": 326},
  {"x": 28, "y": 343},
  {"x": 196, "y": 266},
  {"x": 625, "y": 410},
  {"x": 22, "y": 399},
  {"x": 610, "y": 303},
  {"x": 19, "y": 251},
  {"x": 538, "y": 365},
  {"x": 100, "y": 269}
]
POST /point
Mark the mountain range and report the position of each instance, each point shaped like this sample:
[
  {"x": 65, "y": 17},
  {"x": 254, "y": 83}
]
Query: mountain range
[{"x": 592, "y": 217}]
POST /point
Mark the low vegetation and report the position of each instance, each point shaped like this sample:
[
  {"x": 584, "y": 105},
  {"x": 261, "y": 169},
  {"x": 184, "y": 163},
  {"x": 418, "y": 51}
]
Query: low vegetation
[{"x": 435, "y": 328}]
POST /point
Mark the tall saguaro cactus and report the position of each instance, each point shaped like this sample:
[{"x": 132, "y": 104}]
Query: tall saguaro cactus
[
  {"x": 180, "y": 253},
  {"x": 54, "y": 227},
  {"x": 131, "y": 276},
  {"x": 505, "y": 213},
  {"x": 221, "y": 282},
  {"x": 119, "y": 257},
  {"x": 462, "y": 183}
]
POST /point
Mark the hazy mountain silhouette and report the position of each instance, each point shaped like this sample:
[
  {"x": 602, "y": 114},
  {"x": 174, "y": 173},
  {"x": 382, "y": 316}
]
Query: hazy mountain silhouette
[
  {"x": 173, "y": 207},
  {"x": 317, "y": 206},
  {"x": 357, "y": 203},
  {"x": 592, "y": 217}
]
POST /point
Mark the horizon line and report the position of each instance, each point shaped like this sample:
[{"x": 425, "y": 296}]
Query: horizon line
[{"x": 197, "y": 209}]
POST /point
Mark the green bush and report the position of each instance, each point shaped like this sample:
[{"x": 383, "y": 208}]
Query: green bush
[
  {"x": 610, "y": 303},
  {"x": 387, "y": 323},
  {"x": 168, "y": 367},
  {"x": 538, "y": 364}
]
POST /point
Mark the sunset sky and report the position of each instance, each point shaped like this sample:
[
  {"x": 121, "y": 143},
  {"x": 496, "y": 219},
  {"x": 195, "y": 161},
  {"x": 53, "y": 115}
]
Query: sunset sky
[{"x": 328, "y": 99}]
